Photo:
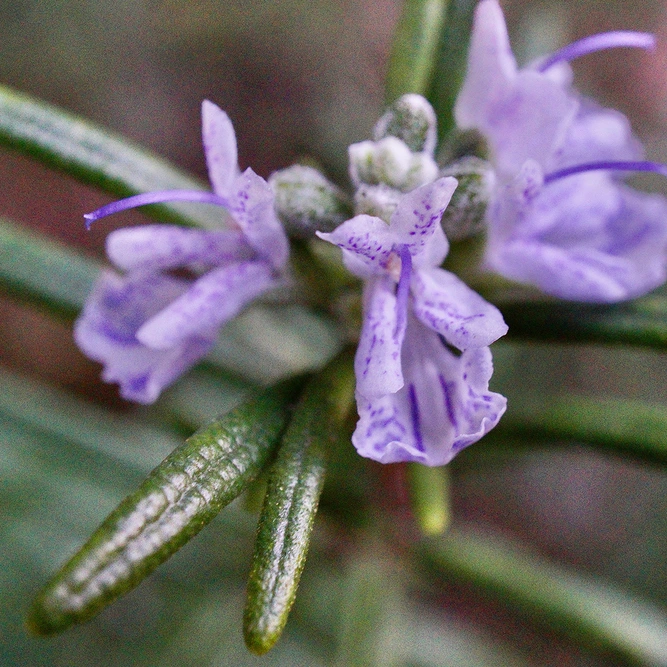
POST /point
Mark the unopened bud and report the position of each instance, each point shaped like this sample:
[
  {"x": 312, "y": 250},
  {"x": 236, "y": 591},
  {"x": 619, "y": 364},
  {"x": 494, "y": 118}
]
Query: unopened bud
[
  {"x": 465, "y": 214},
  {"x": 412, "y": 119},
  {"x": 389, "y": 161},
  {"x": 378, "y": 200},
  {"x": 307, "y": 202}
]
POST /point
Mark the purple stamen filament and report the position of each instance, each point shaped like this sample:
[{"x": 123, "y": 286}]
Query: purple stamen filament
[
  {"x": 652, "y": 167},
  {"x": 599, "y": 42},
  {"x": 403, "y": 290},
  {"x": 160, "y": 197}
]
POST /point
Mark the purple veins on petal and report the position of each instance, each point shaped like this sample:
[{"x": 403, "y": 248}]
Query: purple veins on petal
[
  {"x": 445, "y": 304},
  {"x": 159, "y": 197},
  {"x": 403, "y": 291},
  {"x": 106, "y": 328},
  {"x": 599, "y": 42},
  {"x": 377, "y": 362},
  {"x": 414, "y": 414}
]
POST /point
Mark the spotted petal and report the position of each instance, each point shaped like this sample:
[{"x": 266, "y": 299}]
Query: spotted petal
[
  {"x": 252, "y": 205},
  {"x": 445, "y": 304},
  {"x": 160, "y": 247},
  {"x": 417, "y": 217},
  {"x": 106, "y": 330},
  {"x": 377, "y": 364},
  {"x": 219, "y": 147},
  {"x": 366, "y": 238},
  {"x": 444, "y": 406},
  {"x": 212, "y": 300}
]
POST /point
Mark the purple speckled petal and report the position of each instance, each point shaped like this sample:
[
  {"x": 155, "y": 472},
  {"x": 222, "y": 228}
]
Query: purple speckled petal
[
  {"x": 106, "y": 330},
  {"x": 367, "y": 238},
  {"x": 252, "y": 205},
  {"x": 418, "y": 215},
  {"x": 212, "y": 300},
  {"x": 219, "y": 147},
  {"x": 159, "y": 247},
  {"x": 377, "y": 364},
  {"x": 445, "y": 304},
  {"x": 444, "y": 406}
]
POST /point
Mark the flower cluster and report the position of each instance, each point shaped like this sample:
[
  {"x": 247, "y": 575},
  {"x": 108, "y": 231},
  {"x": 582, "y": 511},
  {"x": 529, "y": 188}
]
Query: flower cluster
[
  {"x": 148, "y": 327},
  {"x": 556, "y": 216},
  {"x": 559, "y": 218}
]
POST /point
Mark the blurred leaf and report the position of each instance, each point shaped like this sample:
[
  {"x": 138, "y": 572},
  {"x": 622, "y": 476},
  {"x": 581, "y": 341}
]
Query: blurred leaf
[
  {"x": 414, "y": 48},
  {"x": 451, "y": 63},
  {"x": 92, "y": 428},
  {"x": 44, "y": 272},
  {"x": 371, "y": 610},
  {"x": 639, "y": 322},
  {"x": 631, "y": 427},
  {"x": 291, "y": 501},
  {"x": 180, "y": 496},
  {"x": 97, "y": 157},
  {"x": 595, "y": 613}
]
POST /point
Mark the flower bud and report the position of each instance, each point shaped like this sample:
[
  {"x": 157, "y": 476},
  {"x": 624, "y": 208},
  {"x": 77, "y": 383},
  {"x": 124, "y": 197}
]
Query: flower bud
[
  {"x": 412, "y": 119},
  {"x": 378, "y": 200},
  {"x": 465, "y": 215},
  {"x": 389, "y": 161},
  {"x": 307, "y": 202}
]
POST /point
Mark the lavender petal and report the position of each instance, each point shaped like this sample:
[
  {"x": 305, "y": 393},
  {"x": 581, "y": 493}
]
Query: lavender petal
[
  {"x": 418, "y": 215},
  {"x": 444, "y": 406},
  {"x": 446, "y": 305},
  {"x": 106, "y": 328},
  {"x": 212, "y": 300},
  {"x": 220, "y": 149},
  {"x": 160, "y": 247},
  {"x": 252, "y": 205},
  {"x": 368, "y": 239},
  {"x": 377, "y": 364}
]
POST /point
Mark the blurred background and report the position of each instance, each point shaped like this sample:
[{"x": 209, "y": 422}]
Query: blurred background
[{"x": 304, "y": 78}]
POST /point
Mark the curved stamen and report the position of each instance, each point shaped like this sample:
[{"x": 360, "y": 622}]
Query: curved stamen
[
  {"x": 653, "y": 167},
  {"x": 403, "y": 289},
  {"x": 599, "y": 42},
  {"x": 160, "y": 197}
]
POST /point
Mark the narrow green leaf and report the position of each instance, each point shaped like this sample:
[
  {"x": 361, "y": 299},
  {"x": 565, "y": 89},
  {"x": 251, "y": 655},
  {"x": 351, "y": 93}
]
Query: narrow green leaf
[
  {"x": 414, "y": 49},
  {"x": 595, "y": 613},
  {"x": 639, "y": 322},
  {"x": 95, "y": 156},
  {"x": 430, "y": 497},
  {"x": 172, "y": 505},
  {"x": 451, "y": 63},
  {"x": 291, "y": 500},
  {"x": 44, "y": 272},
  {"x": 631, "y": 427}
]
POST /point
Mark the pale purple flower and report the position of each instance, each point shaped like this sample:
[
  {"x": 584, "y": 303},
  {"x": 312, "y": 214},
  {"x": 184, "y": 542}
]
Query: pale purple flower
[
  {"x": 418, "y": 397},
  {"x": 148, "y": 327},
  {"x": 560, "y": 218}
]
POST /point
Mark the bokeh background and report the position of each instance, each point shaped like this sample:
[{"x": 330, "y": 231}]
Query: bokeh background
[{"x": 304, "y": 78}]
